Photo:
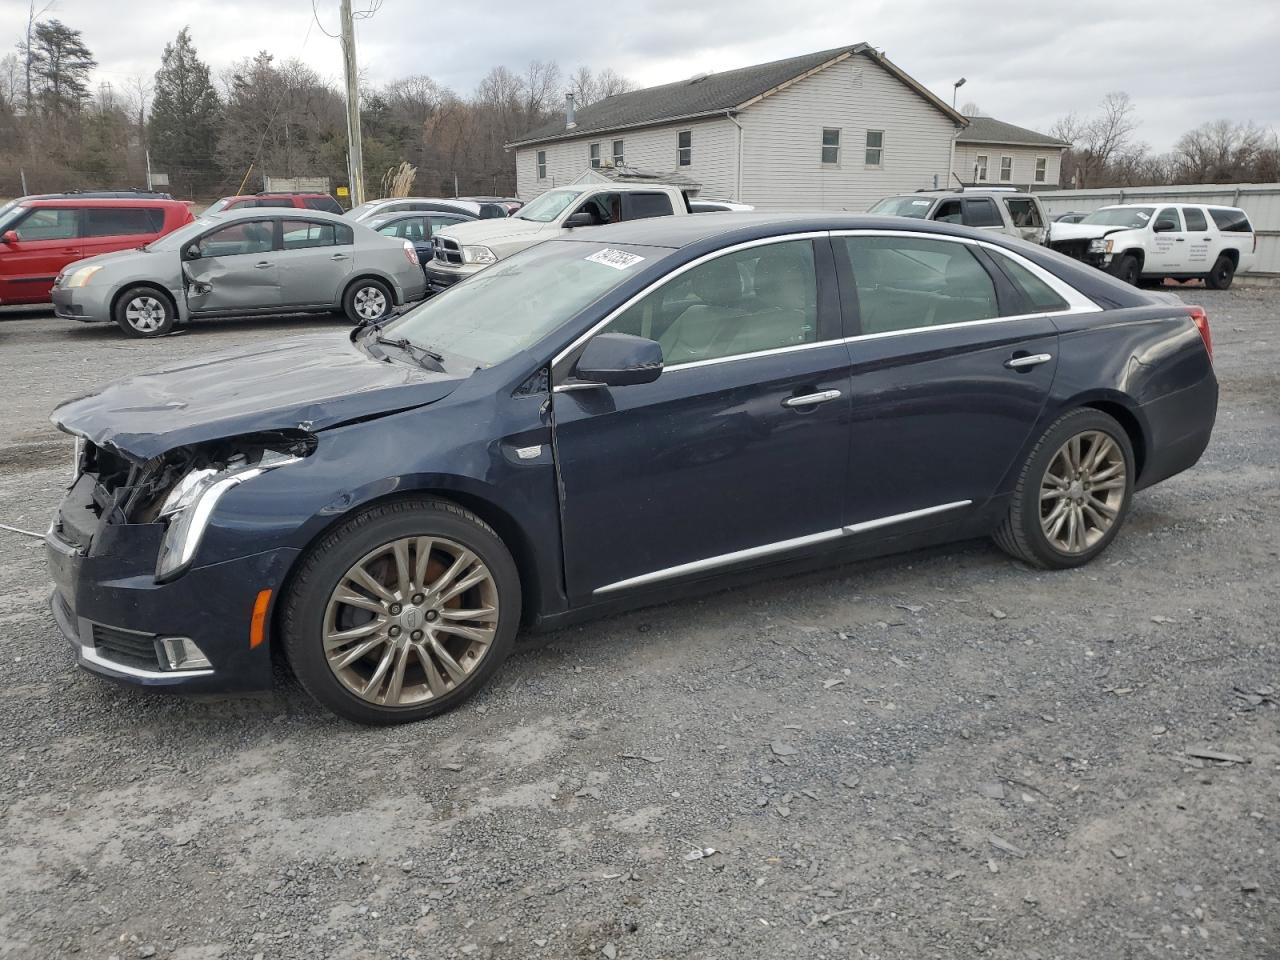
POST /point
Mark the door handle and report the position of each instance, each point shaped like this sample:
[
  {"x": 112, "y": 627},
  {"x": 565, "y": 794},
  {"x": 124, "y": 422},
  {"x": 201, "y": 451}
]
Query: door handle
[
  {"x": 1023, "y": 363},
  {"x": 339, "y": 256},
  {"x": 811, "y": 399},
  {"x": 1181, "y": 239},
  {"x": 262, "y": 265}
]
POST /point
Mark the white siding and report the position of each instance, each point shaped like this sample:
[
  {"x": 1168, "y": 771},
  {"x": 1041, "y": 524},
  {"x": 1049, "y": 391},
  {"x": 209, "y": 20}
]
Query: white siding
[
  {"x": 782, "y": 141},
  {"x": 1024, "y": 163},
  {"x": 653, "y": 149}
]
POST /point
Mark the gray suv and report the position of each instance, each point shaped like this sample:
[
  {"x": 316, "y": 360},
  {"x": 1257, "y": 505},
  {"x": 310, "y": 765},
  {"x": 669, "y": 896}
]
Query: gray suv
[
  {"x": 987, "y": 208},
  {"x": 249, "y": 262}
]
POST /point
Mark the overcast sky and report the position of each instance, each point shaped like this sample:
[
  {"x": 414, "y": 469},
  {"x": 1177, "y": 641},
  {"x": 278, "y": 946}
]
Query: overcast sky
[{"x": 1183, "y": 61}]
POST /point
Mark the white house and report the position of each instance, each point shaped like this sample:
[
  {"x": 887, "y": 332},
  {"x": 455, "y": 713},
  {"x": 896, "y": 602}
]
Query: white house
[
  {"x": 834, "y": 130},
  {"x": 990, "y": 152}
]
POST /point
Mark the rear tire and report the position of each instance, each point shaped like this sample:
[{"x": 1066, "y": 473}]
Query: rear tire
[
  {"x": 368, "y": 301},
  {"x": 144, "y": 312},
  {"x": 382, "y": 581},
  {"x": 1126, "y": 268},
  {"x": 1060, "y": 517},
  {"x": 1220, "y": 277}
]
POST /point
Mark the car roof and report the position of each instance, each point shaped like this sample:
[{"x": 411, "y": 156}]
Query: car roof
[
  {"x": 292, "y": 213},
  {"x": 103, "y": 202},
  {"x": 682, "y": 231}
]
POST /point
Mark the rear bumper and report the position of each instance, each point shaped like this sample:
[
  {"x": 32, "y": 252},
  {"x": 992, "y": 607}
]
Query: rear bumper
[{"x": 109, "y": 607}]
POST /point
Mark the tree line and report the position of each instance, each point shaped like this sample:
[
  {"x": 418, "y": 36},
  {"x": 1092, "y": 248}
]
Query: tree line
[{"x": 218, "y": 134}]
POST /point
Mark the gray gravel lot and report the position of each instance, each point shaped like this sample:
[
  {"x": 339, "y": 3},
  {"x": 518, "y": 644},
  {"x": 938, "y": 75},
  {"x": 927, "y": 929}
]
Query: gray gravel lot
[{"x": 944, "y": 754}]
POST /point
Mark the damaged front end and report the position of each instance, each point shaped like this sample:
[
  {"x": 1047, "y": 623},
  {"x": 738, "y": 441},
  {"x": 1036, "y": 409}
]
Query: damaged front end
[{"x": 122, "y": 546}]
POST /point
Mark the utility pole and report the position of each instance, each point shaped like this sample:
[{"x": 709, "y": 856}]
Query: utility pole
[{"x": 355, "y": 156}]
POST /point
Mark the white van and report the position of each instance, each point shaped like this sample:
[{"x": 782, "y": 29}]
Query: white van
[{"x": 1154, "y": 241}]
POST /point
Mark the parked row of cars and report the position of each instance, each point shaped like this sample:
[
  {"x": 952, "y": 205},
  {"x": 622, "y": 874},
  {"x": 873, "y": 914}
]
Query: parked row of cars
[{"x": 1137, "y": 242}]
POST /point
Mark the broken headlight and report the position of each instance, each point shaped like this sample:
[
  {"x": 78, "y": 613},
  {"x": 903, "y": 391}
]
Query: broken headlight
[
  {"x": 1100, "y": 245},
  {"x": 190, "y": 502}
]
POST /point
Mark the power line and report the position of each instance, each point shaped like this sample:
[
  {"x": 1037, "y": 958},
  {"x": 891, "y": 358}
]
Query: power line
[{"x": 316, "y": 16}]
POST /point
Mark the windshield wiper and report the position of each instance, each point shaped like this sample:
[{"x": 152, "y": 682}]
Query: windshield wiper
[{"x": 419, "y": 353}]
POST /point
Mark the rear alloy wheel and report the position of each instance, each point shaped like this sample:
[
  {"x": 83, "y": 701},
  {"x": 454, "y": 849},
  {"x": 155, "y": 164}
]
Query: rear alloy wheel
[
  {"x": 404, "y": 612},
  {"x": 1220, "y": 277},
  {"x": 1126, "y": 268},
  {"x": 1073, "y": 492},
  {"x": 144, "y": 312},
  {"x": 368, "y": 301}
]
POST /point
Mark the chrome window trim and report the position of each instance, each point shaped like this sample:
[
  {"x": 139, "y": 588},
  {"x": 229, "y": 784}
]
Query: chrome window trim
[
  {"x": 780, "y": 546},
  {"x": 667, "y": 278},
  {"x": 1077, "y": 302}
]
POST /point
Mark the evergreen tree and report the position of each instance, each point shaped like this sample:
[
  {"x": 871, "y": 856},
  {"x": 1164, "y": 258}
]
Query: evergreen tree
[
  {"x": 183, "y": 130},
  {"x": 60, "y": 65}
]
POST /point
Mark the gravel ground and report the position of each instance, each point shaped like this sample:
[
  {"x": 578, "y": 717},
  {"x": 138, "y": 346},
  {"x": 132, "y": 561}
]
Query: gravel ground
[{"x": 939, "y": 755}]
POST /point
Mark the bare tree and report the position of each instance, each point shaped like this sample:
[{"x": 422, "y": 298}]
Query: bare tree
[
  {"x": 1221, "y": 151},
  {"x": 588, "y": 87},
  {"x": 541, "y": 90},
  {"x": 1097, "y": 141},
  {"x": 971, "y": 109}
]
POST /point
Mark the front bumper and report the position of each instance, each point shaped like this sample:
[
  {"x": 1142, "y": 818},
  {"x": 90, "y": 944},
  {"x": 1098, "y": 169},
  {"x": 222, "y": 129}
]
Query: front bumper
[
  {"x": 72, "y": 304},
  {"x": 442, "y": 278},
  {"x": 108, "y": 605},
  {"x": 1079, "y": 250}
]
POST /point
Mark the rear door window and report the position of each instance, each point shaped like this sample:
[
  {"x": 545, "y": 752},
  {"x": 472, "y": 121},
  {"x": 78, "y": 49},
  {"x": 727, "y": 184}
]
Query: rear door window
[
  {"x": 1230, "y": 220},
  {"x": 305, "y": 234},
  {"x": 122, "y": 221},
  {"x": 981, "y": 212},
  {"x": 1195, "y": 218},
  {"x": 907, "y": 283},
  {"x": 1039, "y": 296},
  {"x": 1024, "y": 212},
  {"x": 644, "y": 205},
  {"x": 49, "y": 223}
]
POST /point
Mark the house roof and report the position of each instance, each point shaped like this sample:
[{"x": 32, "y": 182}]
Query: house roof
[
  {"x": 709, "y": 94},
  {"x": 990, "y": 130}
]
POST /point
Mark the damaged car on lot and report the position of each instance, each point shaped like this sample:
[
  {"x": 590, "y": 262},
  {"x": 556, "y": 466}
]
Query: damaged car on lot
[
  {"x": 250, "y": 262},
  {"x": 605, "y": 420}
]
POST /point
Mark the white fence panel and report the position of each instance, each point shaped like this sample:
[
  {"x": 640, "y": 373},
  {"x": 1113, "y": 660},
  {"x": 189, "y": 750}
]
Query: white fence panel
[{"x": 1261, "y": 201}]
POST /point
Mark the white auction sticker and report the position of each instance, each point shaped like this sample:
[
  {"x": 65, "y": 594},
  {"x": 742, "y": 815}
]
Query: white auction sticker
[{"x": 618, "y": 259}]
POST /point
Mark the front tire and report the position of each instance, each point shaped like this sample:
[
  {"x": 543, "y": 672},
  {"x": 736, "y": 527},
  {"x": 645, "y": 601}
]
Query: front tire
[
  {"x": 1073, "y": 493},
  {"x": 368, "y": 301},
  {"x": 1220, "y": 277},
  {"x": 402, "y": 612},
  {"x": 1126, "y": 268},
  {"x": 144, "y": 312}
]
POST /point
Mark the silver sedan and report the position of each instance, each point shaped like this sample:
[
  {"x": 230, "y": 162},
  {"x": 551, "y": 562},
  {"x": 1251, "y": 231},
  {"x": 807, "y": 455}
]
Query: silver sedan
[{"x": 251, "y": 262}]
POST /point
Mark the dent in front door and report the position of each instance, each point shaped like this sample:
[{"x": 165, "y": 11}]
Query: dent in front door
[{"x": 247, "y": 281}]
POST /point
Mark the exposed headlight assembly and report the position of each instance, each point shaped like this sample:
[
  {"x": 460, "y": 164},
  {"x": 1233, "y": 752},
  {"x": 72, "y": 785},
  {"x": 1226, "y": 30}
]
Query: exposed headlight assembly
[
  {"x": 190, "y": 503},
  {"x": 478, "y": 254},
  {"x": 1100, "y": 245}
]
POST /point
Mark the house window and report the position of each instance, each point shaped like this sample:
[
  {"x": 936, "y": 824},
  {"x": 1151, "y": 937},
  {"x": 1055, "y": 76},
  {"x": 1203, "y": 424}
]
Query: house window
[
  {"x": 593, "y": 155},
  {"x": 684, "y": 148},
  {"x": 617, "y": 153},
  {"x": 875, "y": 148},
  {"x": 830, "y": 146},
  {"x": 1042, "y": 166},
  {"x": 1006, "y": 168},
  {"x": 980, "y": 167},
  {"x": 542, "y": 164}
]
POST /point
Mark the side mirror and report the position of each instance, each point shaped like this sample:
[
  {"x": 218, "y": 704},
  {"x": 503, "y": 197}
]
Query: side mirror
[
  {"x": 1165, "y": 226},
  {"x": 191, "y": 252},
  {"x": 580, "y": 219},
  {"x": 10, "y": 236},
  {"x": 619, "y": 360}
]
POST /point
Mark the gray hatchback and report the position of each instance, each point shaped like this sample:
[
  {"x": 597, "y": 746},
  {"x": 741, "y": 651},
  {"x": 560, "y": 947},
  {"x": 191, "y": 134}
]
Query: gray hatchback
[{"x": 249, "y": 262}]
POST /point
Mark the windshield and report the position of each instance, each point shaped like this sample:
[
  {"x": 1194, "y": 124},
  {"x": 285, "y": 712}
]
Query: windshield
[
  {"x": 184, "y": 234},
  {"x": 218, "y": 205},
  {"x": 511, "y": 305},
  {"x": 548, "y": 206},
  {"x": 355, "y": 213},
  {"x": 1121, "y": 216},
  {"x": 904, "y": 206},
  {"x": 10, "y": 212}
]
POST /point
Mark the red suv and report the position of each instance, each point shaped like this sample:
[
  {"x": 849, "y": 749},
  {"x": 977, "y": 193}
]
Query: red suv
[
  {"x": 304, "y": 201},
  {"x": 40, "y": 237}
]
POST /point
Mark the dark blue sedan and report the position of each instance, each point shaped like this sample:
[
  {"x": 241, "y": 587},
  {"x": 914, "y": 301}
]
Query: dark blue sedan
[{"x": 608, "y": 420}]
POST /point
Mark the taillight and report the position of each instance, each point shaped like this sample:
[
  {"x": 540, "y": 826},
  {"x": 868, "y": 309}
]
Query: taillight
[
  {"x": 1201, "y": 320},
  {"x": 410, "y": 253}
]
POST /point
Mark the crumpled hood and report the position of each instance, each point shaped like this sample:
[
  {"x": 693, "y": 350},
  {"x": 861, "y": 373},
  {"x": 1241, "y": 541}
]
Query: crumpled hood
[
  {"x": 1082, "y": 231},
  {"x": 310, "y": 383}
]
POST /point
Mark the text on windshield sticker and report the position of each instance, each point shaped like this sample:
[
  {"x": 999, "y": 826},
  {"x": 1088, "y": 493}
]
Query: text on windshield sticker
[{"x": 618, "y": 259}]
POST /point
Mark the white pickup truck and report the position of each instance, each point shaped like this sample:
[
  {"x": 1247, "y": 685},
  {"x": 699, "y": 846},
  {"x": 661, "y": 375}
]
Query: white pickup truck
[
  {"x": 465, "y": 248},
  {"x": 1152, "y": 241}
]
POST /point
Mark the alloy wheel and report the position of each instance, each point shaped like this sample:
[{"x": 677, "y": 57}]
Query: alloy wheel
[
  {"x": 145, "y": 314},
  {"x": 370, "y": 303},
  {"x": 1082, "y": 491},
  {"x": 410, "y": 621}
]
